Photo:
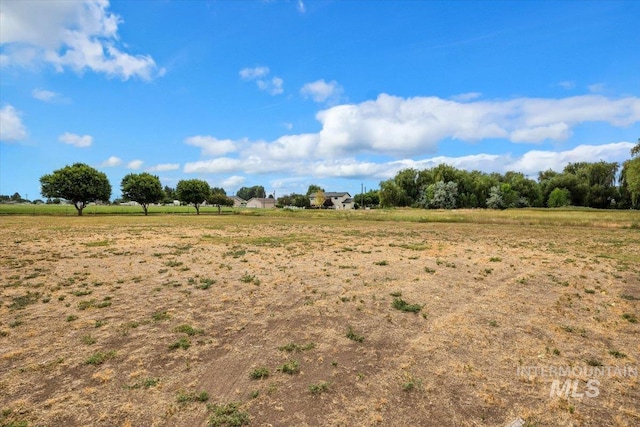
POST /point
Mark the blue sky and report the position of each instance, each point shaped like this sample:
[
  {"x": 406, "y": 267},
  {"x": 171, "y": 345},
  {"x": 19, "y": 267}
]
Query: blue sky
[{"x": 289, "y": 93}]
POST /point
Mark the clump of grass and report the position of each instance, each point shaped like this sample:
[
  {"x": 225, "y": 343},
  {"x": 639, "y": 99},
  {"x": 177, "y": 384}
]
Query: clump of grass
[
  {"x": 173, "y": 263},
  {"x": 100, "y": 323},
  {"x": 189, "y": 330},
  {"x": 631, "y": 318},
  {"x": 250, "y": 278},
  {"x": 71, "y": 318},
  {"x": 291, "y": 367},
  {"x": 589, "y": 291},
  {"x": 493, "y": 323},
  {"x": 617, "y": 354},
  {"x": 594, "y": 362},
  {"x": 429, "y": 270},
  {"x": 20, "y": 302},
  {"x": 495, "y": 259},
  {"x": 629, "y": 297},
  {"x": 88, "y": 340},
  {"x": 297, "y": 348},
  {"x": 354, "y": 336},
  {"x": 182, "y": 343},
  {"x": 412, "y": 383},
  {"x": 260, "y": 373},
  {"x": 100, "y": 357},
  {"x": 383, "y": 262},
  {"x": 396, "y": 294},
  {"x": 402, "y": 305},
  {"x": 203, "y": 396},
  {"x": 320, "y": 387},
  {"x": 205, "y": 283},
  {"x": 228, "y": 415},
  {"x": 160, "y": 316},
  {"x": 144, "y": 383}
]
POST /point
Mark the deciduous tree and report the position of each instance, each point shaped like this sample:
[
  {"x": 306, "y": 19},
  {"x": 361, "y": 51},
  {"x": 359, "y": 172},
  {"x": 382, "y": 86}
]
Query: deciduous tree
[
  {"x": 142, "y": 188},
  {"x": 194, "y": 192},
  {"x": 78, "y": 183}
]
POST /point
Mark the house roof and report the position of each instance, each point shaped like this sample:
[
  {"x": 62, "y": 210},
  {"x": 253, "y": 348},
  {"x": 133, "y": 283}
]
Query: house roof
[
  {"x": 336, "y": 193},
  {"x": 262, "y": 199}
]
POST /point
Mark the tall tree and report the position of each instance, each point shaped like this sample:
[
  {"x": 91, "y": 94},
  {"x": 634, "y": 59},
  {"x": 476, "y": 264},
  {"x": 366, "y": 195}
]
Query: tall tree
[
  {"x": 143, "y": 188},
  {"x": 78, "y": 183},
  {"x": 247, "y": 193},
  {"x": 313, "y": 189},
  {"x": 630, "y": 176},
  {"x": 194, "y": 192},
  {"x": 218, "y": 197}
]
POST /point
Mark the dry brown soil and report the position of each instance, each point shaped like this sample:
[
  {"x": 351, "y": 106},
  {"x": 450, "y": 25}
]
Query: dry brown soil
[{"x": 494, "y": 297}]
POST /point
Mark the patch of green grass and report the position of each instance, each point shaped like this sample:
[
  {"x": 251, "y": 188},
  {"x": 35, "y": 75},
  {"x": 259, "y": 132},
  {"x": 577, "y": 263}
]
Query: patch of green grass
[
  {"x": 183, "y": 397},
  {"x": 206, "y": 283},
  {"x": 189, "y": 330},
  {"x": 629, "y": 297},
  {"x": 402, "y": 305},
  {"x": 250, "y": 278},
  {"x": 631, "y": 318},
  {"x": 589, "y": 291},
  {"x": 412, "y": 383},
  {"x": 429, "y": 270},
  {"x": 144, "y": 383},
  {"x": 173, "y": 263},
  {"x": 319, "y": 388},
  {"x": 260, "y": 373},
  {"x": 228, "y": 415},
  {"x": 383, "y": 262},
  {"x": 297, "y": 348},
  {"x": 617, "y": 354},
  {"x": 71, "y": 318},
  {"x": 97, "y": 243},
  {"x": 353, "y": 336},
  {"x": 81, "y": 292},
  {"x": 291, "y": 367},
  {"x": 20, "y": 302},
  {"x": 493, "y": 323},
  {"x": 100, "y": 357},
  {"x": 495, "y": 259},
  {"x": 182, "y": 343},
  {"x": 100, "y": 323},
  {"x": 88, "y": 340},
  {"x": 159, "y": 316}
]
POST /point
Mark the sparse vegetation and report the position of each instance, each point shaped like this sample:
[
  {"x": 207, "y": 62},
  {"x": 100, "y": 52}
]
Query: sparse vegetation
[
  {"x": 100, "y": 357},
  {"x": 319, "y": 388},
  {"x": 354, "y": 336},
  {"x": 291, "y": 367},
  {"x": 260, "y": 373},
  {"x": 228, "y": 415},
  {"x": 402, "y": 305}
]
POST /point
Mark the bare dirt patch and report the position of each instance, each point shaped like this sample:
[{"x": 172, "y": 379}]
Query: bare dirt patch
[{"x": 128, "y": 320}]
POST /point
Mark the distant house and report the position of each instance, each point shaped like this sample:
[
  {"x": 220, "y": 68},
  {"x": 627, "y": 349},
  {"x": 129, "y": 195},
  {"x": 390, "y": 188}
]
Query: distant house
[
  {"x": 259, "y": 202},
  {"x": 238, "y": 202},
  {"x": 335, "y": 200}
]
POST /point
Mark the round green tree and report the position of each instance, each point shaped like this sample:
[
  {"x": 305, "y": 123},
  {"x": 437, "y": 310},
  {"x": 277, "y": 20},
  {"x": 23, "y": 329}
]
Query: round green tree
[
  {"x": 79, "y": 183},
  {"x": 194, "y": 192},
  {"x": 218, "y": 197},
  {"x": 142, "y": 188}
]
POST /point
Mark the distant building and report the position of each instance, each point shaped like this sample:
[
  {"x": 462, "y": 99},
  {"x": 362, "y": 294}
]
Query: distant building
[
  {"x": 238, "y": 202},
  {"x": 335, "y": 200},
  {"x": 259, "y": 202}
]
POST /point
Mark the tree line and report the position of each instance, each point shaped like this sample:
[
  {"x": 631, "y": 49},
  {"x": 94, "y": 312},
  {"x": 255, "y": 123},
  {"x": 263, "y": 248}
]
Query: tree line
[
  {"x": 81, "y": 184},
  {"x": 589, "y": 184}
]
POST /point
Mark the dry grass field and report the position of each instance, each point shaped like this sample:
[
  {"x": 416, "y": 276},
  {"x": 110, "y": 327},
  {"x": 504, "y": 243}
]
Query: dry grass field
[{"x": 316, "y": 321}]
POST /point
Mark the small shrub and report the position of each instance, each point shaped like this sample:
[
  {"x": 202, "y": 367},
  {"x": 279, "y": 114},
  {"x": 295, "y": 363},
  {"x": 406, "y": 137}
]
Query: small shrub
[
  {"x": 297, "y": 348},
  {"x": 189, "y": 330},
  {"x": 182, "y": 343},
  {"x": 320, "y": 387},
  {"x": 400, "y": 304},
  {"x": 88, "y": 340},
  {"x": 203, "y": 396},
  {"x": 99, "y": 358},
  {"x": 71, "y": 318},
  {"x": 160, "y": 315},
  {"x": 429, "y": 270},
  {"x": 617, "y": 354},
  {"x": 228, "y": 415},
  {"x": 354, "y": 336},
  {"x": 291, "y": 367},
  {"x": 260, "y": 373},
  {"x": 383, "y": 262},
  {"x": 631, "y": 318},
  {"x": 495, "y": 259}
]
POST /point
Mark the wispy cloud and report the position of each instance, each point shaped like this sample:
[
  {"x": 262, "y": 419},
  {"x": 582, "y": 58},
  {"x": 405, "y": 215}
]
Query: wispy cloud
[
  {"x": 301, "y": 6},
  {"x": 11, "y": 126},
  {"x": 260, "y": 75},
  {"x": 321, "y": 91},
  {"x": 45, "y": 95},
  {"x": 79, "y": 35},
  {"x": 135, "y": 164},
  {"x": 79, "y": 141},
  {"x": 211, "y": 146},
  {"x": 164, "y": 167},
  {"x": 112, "y": 161}
]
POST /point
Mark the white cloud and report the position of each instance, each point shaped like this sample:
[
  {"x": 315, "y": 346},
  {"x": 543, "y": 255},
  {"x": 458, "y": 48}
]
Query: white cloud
[
  {"x": 212, "y": 146},
  {"x": 11, "y": 127},
  {"x": 79, "y": 141},
  {"x": 234, "y": 182},
  {"x": 301, "y": 7},
  {"x": 403, "y": 127},
  {"x": 260, "y": 74},
  {"x": 567, "y": 84},
  {"x": 163, "y": 167},
  {"x": 111, "y": 162},
  {"x": 321, "y": 91},
  {"x": 78, "y": 35},
  {"x": 219, "y": 165},
  {"x": 135, "y": 164},
  {"x": 44, "y": 95},
  {"x": 470, "y": 96}
]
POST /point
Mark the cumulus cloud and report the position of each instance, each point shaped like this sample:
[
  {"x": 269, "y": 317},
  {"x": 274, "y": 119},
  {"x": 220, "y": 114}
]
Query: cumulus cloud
[
  {"x": 470, "y": 96},
  {"x": 111, "y": 162},
  {"x": 135, "y": 164},
  {"x": 44, "y": 95},
  {"x": 79, "y": 141},
  {"x": 164, "y": 167},
  {"x": 79, "y": 35},
  {"x": 211, "y": 146},
  {"x": 321, "y": 91},
  {"x": 11, "y": 127},
  {"x": 260, "y": 75},
  {"x": 219, "y": 165},
  {"x": 234, "y": 181}
]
